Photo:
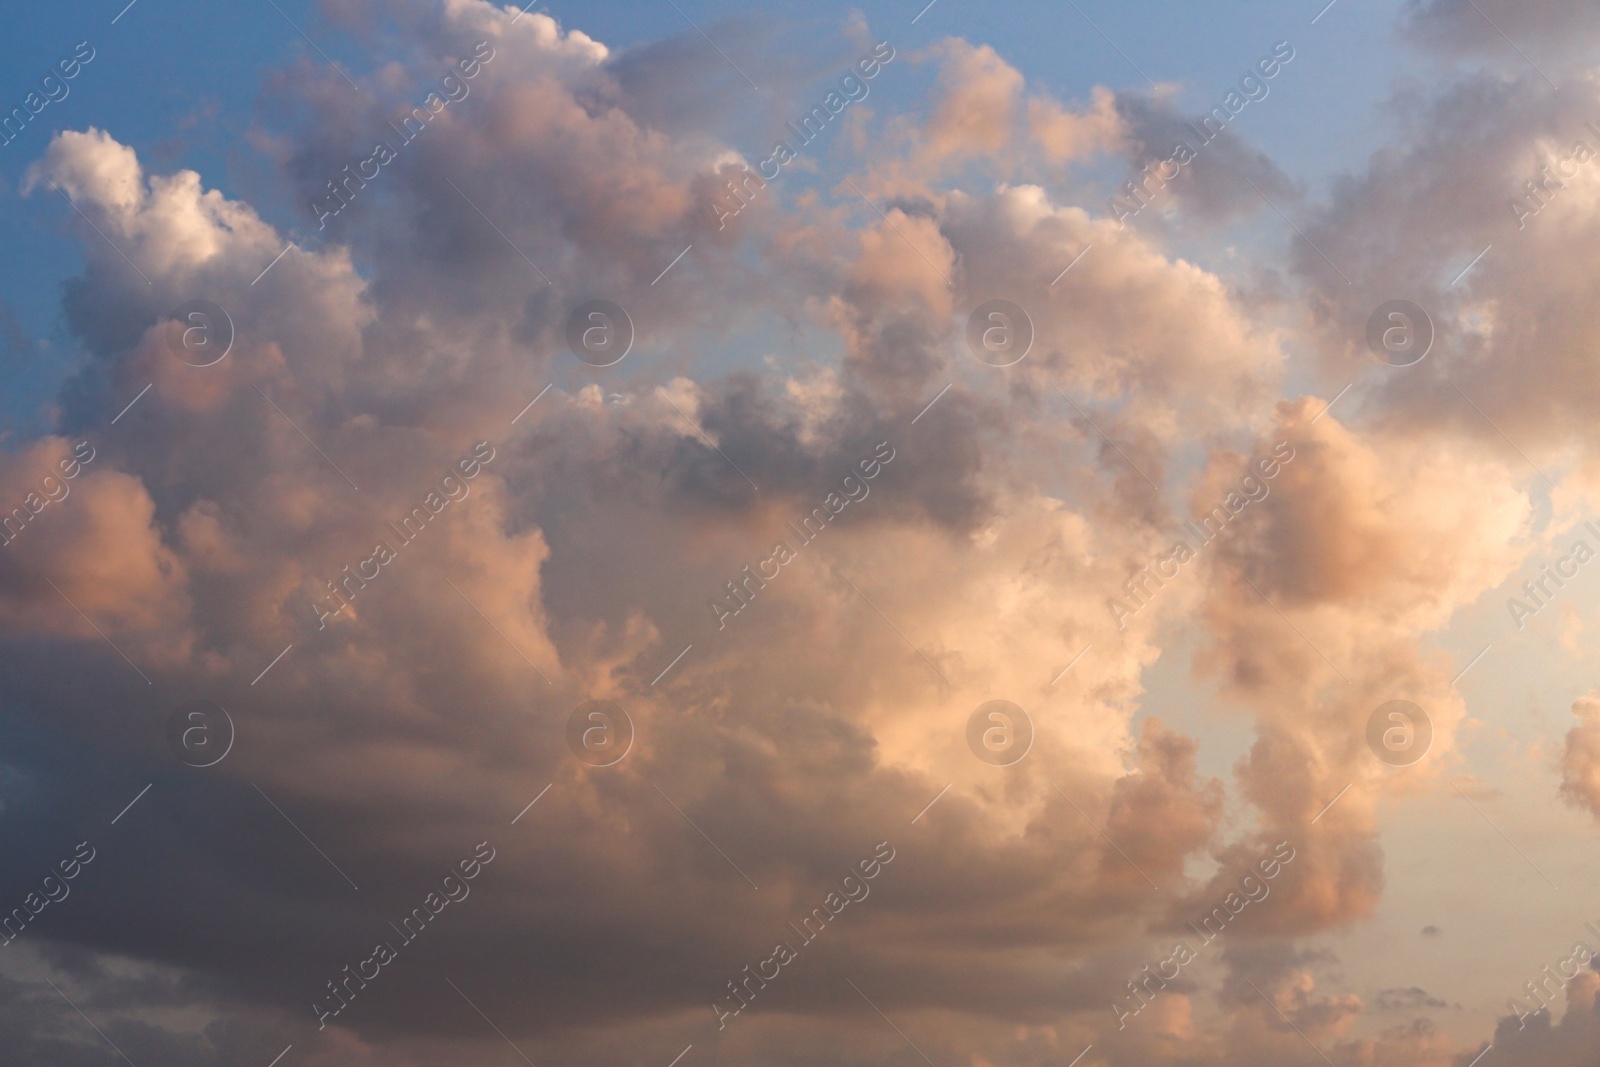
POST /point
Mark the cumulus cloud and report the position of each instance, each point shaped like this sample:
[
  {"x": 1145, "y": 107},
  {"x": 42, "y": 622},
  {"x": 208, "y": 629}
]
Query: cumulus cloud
[
  {"x": 975, "y": 109},
  {"x": 401, "y": 534}
]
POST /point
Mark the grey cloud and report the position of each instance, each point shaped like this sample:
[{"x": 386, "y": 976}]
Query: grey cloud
[{"x": 1214, "y": 189}]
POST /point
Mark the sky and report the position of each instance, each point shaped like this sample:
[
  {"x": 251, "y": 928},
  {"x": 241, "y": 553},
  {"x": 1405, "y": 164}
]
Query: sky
[{"x": 675, "y": 534}]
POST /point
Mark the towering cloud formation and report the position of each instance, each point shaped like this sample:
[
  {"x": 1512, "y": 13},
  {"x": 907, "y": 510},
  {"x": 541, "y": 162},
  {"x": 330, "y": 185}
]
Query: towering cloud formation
[{"x": 229, "y": 510}]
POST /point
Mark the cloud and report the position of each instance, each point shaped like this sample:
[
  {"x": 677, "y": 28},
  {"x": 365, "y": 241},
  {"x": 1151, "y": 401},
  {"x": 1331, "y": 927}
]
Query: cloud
[
  {"x": 1542, "y": 1039},
  {"x": 1480, "y": 25},
  {"x": 1510, "y": 354},
  {"x": 401, "y": 692},
  {"x": 1580, "y": 759},
  {"x": 976, "y": 106},
  {"x": 1215, "y": 186},
  {"x": 1067, "y": 134},
  {"x": 1409, "y": 999}
]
